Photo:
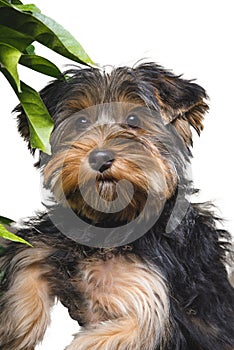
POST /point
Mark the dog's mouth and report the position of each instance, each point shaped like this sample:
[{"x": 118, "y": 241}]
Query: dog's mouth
[
  {"x": 107, "y": 202},
  {"x": 110, "y": 181},
  {"x": 108, "y": 198}
]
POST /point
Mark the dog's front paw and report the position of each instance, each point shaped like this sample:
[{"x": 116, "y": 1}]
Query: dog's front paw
[
  {"x": 86, "y": 341},
  {"x": 109, "y": 335}
]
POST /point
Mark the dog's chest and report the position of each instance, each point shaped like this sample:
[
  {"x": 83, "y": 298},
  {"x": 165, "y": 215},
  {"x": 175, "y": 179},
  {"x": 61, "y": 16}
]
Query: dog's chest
[
  {"x": 109, "y": 287},
  {"x": 100, "y": 282}
]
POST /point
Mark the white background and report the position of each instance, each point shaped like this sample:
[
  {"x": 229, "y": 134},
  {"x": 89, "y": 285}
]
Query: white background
[{"x": 190, "y": 37}]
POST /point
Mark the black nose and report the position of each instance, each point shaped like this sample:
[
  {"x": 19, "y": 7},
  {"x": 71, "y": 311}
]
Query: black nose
[{"x": 101, "y": 160}]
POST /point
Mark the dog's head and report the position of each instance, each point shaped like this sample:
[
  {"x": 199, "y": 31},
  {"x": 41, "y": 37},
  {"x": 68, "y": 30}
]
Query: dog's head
[{"x": 118, "y": 138}]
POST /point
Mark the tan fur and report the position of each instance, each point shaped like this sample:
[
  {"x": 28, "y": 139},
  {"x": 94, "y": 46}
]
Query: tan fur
[
  {"x": 121, "y": 300},
  {"x": 27, "y": 302},
  {"x": 126, "y": 305},
  {"x": 69, "y": 171}
]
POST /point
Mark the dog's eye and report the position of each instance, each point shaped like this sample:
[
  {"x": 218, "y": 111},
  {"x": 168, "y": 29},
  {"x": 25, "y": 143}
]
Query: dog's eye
[
  {"x": 133, "y": 121},
  {"x": 82, "y": 122}
]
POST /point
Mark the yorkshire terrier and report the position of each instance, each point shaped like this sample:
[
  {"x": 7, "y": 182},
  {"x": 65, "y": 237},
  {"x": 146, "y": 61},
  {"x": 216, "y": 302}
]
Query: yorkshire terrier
[{"x": 138, "y": 266}]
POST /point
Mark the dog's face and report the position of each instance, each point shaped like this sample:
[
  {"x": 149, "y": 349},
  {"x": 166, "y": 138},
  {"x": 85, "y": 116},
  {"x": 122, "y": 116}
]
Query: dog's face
[{"x": 119, "y": 138}]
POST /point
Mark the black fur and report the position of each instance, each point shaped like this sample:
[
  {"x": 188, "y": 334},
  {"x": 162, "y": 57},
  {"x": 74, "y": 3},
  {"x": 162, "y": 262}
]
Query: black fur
[{"x": 191, "y": 257}]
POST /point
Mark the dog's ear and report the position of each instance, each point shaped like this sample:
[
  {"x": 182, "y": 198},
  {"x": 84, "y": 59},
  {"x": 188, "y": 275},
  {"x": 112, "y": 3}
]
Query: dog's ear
[{"x": 181, "y": 102}]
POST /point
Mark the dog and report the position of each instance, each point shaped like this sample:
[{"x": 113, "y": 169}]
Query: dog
[{"x": 121, "y": 245}]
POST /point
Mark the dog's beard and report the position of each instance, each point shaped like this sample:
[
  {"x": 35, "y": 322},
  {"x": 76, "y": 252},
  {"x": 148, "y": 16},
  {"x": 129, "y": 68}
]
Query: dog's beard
[{"x": 119, "y": 194}]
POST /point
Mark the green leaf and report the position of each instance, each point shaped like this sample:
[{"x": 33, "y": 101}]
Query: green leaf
[
  {"x": 28, "y": 8},
  {"x": 44, "y": 30},
  {"x": 4, "y": 233},
  {"x": 6, "y": 221},
  {"x": 10, "y": 3},
  {"x": 40, "y": 64},
  {"x": 14, "y": 38},
  {"x": 61, "y": 41},
  {"x": 4, "y": 3},
  {"x": 15, "y": 2},
  {"x": 20, "y": 26},
  {"x": 30, "y": 50},
  {"x": 9, "y": 58},
  {"x": 40, "y": 122},
  {"x": 9, "y": 78}
]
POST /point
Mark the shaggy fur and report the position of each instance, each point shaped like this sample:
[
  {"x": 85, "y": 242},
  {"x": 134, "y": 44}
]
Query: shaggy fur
[{"x": 166, "y": 289}]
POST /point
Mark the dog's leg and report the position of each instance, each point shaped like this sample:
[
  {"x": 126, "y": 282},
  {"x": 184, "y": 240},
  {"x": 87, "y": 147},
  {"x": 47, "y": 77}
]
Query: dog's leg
[
  {"x": 126, "y": 306},
  {"x": 25, "y": 300}
]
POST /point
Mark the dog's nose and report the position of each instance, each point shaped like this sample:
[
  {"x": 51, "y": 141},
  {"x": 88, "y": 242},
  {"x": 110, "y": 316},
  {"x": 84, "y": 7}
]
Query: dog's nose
[{"x": 101, "y": 160}]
